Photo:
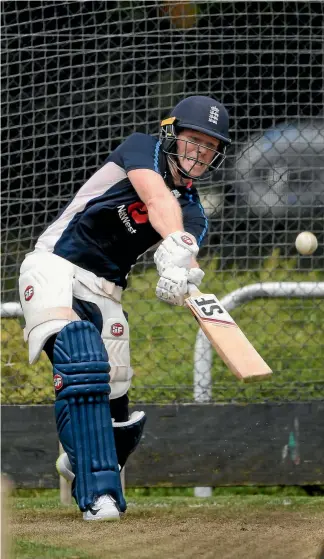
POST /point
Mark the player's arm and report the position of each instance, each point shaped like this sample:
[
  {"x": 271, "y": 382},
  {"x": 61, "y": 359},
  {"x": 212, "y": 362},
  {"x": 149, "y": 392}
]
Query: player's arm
[
  {"x": 175, "y": 256},
  {"x": 165, "y": 215},
  {"x": 164, "y": 211}
]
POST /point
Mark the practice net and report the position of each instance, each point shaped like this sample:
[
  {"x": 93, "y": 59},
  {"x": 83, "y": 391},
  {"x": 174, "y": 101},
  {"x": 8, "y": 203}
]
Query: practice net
[{"x": 79, "y": 76}]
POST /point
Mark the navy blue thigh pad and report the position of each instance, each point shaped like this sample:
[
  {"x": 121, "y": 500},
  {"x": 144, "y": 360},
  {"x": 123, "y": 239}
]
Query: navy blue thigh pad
[{"x": 81, "y": 380}]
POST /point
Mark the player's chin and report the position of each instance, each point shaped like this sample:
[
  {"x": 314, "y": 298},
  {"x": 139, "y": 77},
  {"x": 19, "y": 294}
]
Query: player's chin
[{"x": 197, "y": 170}]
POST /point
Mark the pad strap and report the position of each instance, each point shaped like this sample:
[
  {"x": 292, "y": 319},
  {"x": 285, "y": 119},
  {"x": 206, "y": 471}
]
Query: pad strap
[
  {"x": 55, "y": 313},
  {"x": 128, "y": 435}
]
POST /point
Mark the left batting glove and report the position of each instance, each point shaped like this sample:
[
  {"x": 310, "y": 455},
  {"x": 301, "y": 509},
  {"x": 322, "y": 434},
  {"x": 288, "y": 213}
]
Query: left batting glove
[{"x": 173, "y": 284}]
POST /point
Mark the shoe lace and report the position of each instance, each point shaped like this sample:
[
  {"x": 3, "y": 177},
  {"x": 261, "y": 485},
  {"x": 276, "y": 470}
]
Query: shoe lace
[{"x": 103, "y": 500}]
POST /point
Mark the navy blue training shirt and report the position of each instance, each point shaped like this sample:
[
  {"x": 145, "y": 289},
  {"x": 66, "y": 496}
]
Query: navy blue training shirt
[{"x": 105, "y": 227}]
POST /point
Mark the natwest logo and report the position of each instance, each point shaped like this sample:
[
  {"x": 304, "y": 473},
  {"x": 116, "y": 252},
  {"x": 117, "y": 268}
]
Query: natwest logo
[
  {"x": 138, "y": 212},
  {"x": 29, "y": 292},
  {"x": 122, "y": 212},
  {"x": 117, "y": 329}
]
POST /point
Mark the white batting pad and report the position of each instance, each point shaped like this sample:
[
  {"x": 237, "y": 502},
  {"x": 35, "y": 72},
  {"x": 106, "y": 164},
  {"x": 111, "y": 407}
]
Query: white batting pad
[{"x": 45, "y": 289}]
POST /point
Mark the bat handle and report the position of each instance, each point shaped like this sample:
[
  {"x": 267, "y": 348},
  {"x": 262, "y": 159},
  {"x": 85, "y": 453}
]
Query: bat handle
[{"x": 193, "y": 289}]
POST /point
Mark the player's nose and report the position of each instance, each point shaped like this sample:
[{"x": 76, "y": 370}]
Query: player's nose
[{"x": 202, "y": 150}]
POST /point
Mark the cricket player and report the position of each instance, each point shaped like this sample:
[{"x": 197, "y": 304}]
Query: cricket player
[{"x": 71, "y": 287}]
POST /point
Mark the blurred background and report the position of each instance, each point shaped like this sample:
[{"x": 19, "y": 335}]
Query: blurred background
[{"x": 80, "y": 76}]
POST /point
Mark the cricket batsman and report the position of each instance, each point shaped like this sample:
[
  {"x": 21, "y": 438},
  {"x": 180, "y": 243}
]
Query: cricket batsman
[{"x": 71, "y": 287}]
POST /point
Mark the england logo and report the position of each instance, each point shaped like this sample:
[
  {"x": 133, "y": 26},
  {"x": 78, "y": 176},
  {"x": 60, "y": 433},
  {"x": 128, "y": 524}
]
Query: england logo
[
  {"x": 213, "y": 115},
  {"x": 117, "y": 329},
  {"x": 29, "y": 292}
]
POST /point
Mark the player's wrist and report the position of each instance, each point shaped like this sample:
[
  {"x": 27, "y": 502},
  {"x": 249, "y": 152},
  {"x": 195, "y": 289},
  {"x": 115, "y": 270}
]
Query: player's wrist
[
  {"x": 185, "y": 240},
  {"x": 178, "y": 249}
]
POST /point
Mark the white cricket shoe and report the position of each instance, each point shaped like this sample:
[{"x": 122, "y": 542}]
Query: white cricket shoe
[{"x": 104, "y": 508}]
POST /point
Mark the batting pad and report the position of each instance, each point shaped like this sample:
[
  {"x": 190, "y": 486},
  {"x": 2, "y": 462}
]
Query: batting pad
[{"x": 80, "y": 366}]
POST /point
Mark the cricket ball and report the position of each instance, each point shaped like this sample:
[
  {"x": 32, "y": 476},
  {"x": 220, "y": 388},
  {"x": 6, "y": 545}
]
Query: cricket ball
[{"x": 306, "y": 243}]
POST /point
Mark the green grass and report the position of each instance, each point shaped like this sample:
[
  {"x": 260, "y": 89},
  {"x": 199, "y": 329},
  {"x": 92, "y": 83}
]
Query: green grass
[
  {"x": 43, "y": 528},
  {"x": 25, "y": 549},
  {"x": 47, "y": 500},
  {"x": 288, "y": 333},
  {"x": 50, "y": 498}
]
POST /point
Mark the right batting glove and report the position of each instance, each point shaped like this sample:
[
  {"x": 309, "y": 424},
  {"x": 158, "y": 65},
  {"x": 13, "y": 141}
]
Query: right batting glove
[{"x": 177, "y": 249}]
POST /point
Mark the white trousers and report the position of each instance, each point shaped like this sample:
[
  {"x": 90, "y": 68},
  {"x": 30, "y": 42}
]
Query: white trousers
[{"x": 47, "y": 284}]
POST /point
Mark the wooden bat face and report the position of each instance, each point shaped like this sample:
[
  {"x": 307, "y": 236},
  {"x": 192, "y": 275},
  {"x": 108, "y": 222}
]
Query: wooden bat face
[{"x": 226, "y": 337}]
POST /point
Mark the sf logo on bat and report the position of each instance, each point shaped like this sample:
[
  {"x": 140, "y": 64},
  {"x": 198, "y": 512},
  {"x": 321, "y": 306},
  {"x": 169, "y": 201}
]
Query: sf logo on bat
[{"x": 208, "y": 308}]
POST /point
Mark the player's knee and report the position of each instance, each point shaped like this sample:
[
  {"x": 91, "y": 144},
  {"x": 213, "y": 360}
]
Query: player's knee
[
  {"x": 45, "y": 287},
  {"x": 80, "y": 361}
]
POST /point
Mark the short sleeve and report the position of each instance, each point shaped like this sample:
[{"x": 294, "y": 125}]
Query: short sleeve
[{"x": 139, "y": 151}]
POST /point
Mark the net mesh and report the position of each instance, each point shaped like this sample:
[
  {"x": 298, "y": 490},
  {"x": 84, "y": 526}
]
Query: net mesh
[{"x": 79, "y": 77}]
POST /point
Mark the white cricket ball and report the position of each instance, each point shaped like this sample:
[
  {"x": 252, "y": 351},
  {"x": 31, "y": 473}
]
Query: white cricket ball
[{"x": 306, "y": 243}]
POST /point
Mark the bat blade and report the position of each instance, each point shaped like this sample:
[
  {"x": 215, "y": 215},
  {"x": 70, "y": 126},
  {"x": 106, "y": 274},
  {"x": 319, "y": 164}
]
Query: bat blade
[{"x": 226, "y": 337}]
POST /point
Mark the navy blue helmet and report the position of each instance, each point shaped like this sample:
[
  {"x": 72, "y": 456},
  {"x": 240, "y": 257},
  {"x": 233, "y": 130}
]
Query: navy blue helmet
[{"x": 202, "y": 114}]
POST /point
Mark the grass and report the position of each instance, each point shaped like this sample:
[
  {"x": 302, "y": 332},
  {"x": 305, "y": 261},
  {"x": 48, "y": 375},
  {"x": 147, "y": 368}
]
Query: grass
[
  {"x": 158, "y": 525},
  {"x": 50, "y": 497},
  {"x": 287, "y": 332},
  {"x": 24, "y": 549},
  {"x": 238, "y": 498}
]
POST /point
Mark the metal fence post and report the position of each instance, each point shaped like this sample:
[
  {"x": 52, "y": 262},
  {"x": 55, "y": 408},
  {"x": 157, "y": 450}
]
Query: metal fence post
[{"x": 203, "y": 352}]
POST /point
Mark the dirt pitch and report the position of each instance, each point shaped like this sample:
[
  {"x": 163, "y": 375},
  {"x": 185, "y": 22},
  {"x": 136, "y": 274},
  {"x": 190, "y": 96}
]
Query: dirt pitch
[{"x": 251, "y": 527}]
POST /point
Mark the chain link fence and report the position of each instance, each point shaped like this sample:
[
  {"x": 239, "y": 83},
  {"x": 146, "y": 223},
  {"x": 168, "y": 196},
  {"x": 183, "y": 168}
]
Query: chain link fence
[{"x": 78, "y": 77}]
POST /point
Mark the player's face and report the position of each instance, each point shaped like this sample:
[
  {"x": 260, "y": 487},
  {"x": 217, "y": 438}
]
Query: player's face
[{"x": 196, "y": 151}]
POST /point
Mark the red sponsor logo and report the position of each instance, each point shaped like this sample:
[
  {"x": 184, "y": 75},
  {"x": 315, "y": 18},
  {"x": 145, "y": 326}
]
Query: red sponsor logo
[
  {"x": 117, "y": 329},
  {"x": 29, "y": 292},
  {"x": 58, "y": 382},
  {"x": 187, "y": 240},
  {"x": 138, "y": 212}
]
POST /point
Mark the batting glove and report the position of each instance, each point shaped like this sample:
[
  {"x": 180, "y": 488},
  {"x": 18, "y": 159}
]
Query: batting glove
[
  {"x": 177, "y": 249},
  {"x": 172, "y": 286}
]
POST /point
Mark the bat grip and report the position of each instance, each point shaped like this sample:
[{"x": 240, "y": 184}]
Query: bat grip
[{"x": 192, "y": 289}]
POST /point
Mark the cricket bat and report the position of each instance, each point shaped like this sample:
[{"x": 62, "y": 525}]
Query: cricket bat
[{"x": 226, "y": 337}]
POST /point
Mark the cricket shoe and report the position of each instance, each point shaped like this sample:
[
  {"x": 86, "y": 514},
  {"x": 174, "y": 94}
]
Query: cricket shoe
[{"x": 103, "y": 508}]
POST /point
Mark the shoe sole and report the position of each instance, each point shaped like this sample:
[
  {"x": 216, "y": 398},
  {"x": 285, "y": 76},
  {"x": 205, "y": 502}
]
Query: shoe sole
[{"x": 102, "y": 519}]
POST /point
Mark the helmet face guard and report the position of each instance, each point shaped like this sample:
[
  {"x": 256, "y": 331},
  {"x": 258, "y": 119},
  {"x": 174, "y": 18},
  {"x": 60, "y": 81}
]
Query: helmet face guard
[{"x": 169, "y": 139}]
